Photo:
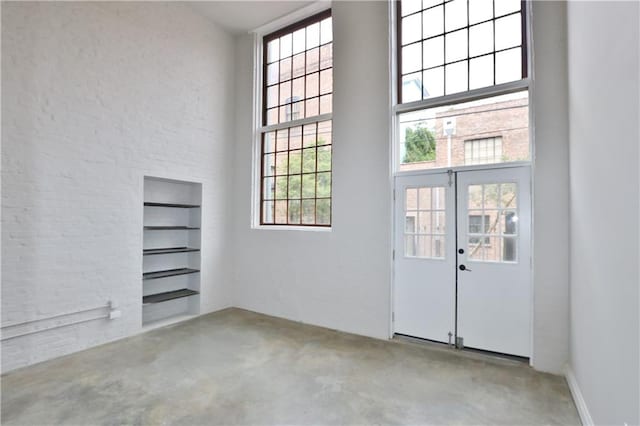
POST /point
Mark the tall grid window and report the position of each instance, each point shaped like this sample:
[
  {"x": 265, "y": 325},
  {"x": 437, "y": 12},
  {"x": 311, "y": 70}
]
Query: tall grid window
[
  {"x": 451, "y": 46},
  {"x": 296, "y": 124}
]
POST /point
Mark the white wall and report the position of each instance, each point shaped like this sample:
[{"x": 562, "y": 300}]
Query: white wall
[
  {"x": 95, "y": 96},
  {"x": 551, "y": 188},
  {"x": 604, "y": 116},
  {"x": 338, "y": 279}
]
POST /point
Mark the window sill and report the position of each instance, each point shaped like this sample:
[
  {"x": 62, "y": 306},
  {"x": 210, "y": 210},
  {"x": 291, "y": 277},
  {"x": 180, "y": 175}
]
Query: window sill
[{"x": 292, "y": 228}]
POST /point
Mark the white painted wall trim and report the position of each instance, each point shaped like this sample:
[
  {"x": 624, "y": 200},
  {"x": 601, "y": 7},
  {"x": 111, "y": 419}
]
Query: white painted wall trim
[{"x": 578, "y": 399}]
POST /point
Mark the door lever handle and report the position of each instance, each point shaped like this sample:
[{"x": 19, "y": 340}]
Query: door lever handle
[{"x": 464, "y": 268}]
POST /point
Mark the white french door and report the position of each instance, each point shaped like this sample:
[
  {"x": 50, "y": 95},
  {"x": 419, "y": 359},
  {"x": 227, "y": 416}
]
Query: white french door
[
  {"x": 462, "y": 258},
  {"x": 425, "y": 241}
]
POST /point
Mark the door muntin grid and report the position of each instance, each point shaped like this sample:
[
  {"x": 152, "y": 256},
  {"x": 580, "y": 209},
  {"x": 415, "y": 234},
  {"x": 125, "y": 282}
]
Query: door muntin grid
[
  {"x": 425, "y": 222},
  {"x": 492, "y": 231}
]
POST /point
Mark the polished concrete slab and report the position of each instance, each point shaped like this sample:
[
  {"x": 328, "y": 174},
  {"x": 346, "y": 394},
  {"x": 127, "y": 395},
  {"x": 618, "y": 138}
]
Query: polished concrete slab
[{"x": 239, "y": 367}]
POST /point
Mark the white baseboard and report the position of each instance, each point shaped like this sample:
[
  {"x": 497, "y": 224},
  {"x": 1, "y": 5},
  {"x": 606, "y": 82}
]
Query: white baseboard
[{"x": 581, "y": 405}]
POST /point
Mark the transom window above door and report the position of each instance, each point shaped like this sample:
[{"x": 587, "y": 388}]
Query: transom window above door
[
  {"x": 453, "y": 46},
  {"x": 462, "y": 83}
]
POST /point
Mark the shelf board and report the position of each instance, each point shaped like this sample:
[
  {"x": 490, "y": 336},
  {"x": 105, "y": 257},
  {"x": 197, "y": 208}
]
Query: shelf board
[
  {"x": 174, "y": 205},
  {"x": 149, "y": 252},
  {"x": 160, "y": 228},
  {"x": 168, "y": 295},
  {"x": 168, "y": 273}
]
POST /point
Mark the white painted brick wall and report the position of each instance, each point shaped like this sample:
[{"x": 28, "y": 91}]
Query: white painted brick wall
[{"x": 95, "y": 96}]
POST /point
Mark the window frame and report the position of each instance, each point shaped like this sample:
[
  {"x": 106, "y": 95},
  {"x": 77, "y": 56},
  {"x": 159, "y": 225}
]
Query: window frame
[
  {"x": 396, "y": 108},
  {"x": 291, "y": 23}
]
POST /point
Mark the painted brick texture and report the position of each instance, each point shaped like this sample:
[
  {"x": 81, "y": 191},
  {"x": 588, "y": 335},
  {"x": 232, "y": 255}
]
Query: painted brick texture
[{"x": 96, "y": 96}]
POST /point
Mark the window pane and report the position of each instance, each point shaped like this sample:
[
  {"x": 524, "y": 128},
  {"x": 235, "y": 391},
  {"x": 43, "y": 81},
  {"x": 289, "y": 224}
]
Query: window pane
[
  {"x": 313, "y": 84},
  {"x": 326, "y": 56},
  {"x": 298, "y": 41},
  {"x": 324, "y": 132},
  {"x": 268, "y": 188},
  {"x": 267, "y": 211},
  {"x": 286, "y": 45},
  {"x": 480, "y": 11},
  {"x": 508, "y": 32},
  {"x": 323, "y": 185},
  {"x": 433, "y": 52},
  {"x": 312, "y": 107},
  {"x": 412, "y": 87},
  {"x": 487, "y": 131},
  {"x": 411, "y": 29},
  {"x": 508, "y": 66},
  {"x": 313, "y": 60},
  {"x": 481, "y": 70},
  {"x": 308, "y": 211},
  {"x": 282, "y": 163},
  {"x": 326, "y": 31},
  {"x": 326, "y": 104},
  {"x": 269, "y": 142},
  {"x": 411, "y": 58},
  {"x": 273, "y": 50},
  {"x": 326, "y": 81},
  {"x": 295, "y": 186},
  {"x": 456, "y": 45},
  {"x": 506, "y": 6},
  {"x": 323, "y": 211},
  {"x": 309, "y": 186},
  {"x": 272, "y": 73},
  {"x": 298, "y": 67},
  {"x": 456, "y": 14},
  {"x": 281, "y": 212},
  {"x": 432, "y": 22},
  {"x": 410, "y": 6},
  {"x": 481, "y": 39},
  {"x": 295, "y": 161},
  {"x": 294, "y": 211},
  {"x": 434, "y": 82},
  {"x": 313, "y": 35},
  {"x": 269, "y": 164},
  {"x": 272, "y": 96},
  {"x": 456, "y": 77},
  {"x": 308, "y": 160},
  {"x": 281, "y": 187}
]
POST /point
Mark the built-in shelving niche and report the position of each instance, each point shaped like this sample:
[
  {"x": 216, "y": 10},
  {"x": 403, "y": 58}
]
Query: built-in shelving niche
[{"x": 171, "y": 250}]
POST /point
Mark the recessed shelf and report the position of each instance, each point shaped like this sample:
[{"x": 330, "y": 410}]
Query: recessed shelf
[
  {"x": 160, "y": 228},
  {"x": 168, "y": 295},
  {"x": 149, "y": 252},
  {"x": 174, "y": 205},
  {"x": 168, "y": 273}
]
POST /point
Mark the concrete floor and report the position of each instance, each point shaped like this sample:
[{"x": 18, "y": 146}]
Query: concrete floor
[{"x": 238, "y": 367}]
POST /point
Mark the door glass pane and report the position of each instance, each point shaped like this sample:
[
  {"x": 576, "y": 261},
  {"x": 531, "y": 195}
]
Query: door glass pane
[
  {"x": 492, "y": 219},
  {"x": 425, "y": 222}
]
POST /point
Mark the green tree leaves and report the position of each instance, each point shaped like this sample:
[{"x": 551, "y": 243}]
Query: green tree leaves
[{"x": 420, "y": 145}]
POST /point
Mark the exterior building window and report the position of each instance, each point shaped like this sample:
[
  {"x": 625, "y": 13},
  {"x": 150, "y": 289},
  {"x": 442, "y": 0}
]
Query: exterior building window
[
  {"x": 296, "y": 124},
  {"x": 462, "y": 78},
  {"x": 483, "y": 151}
]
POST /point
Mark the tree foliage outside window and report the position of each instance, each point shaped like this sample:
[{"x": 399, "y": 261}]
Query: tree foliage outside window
[{"x": 420, "y": 145}]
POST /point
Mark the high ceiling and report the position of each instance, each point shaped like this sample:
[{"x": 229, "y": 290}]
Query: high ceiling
[{"x": 241, "y": 16}]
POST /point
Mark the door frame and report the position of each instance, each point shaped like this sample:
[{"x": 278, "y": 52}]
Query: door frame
[{"x": 515, "y": 164}]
